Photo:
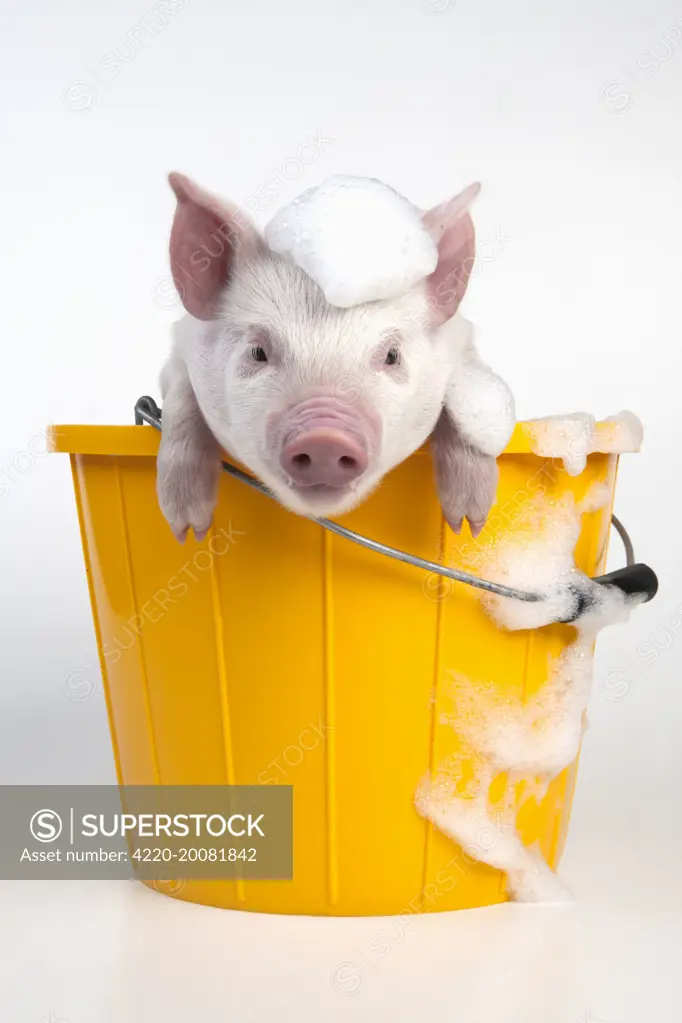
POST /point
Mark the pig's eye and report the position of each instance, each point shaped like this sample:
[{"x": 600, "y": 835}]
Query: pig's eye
[
  {"x": 258, "y": 354},
  {"x": 392, "y": 357}
]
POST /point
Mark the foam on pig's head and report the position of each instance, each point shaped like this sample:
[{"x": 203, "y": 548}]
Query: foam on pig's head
[{"x": 319, "y": 402}]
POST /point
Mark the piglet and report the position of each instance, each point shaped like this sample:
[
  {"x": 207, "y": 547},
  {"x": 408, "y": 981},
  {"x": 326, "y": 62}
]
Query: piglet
[{"x": 319, "y": 402}]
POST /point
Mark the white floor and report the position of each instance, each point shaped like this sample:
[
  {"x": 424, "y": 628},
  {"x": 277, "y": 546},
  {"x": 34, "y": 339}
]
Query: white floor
[{"x": 116, "y": 952}]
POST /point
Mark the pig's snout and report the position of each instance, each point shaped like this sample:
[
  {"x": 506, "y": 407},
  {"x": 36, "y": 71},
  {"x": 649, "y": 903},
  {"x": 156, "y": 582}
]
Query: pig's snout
[
  {"x": 324, "y": 443},
  {"x": 324, "y": 456}
]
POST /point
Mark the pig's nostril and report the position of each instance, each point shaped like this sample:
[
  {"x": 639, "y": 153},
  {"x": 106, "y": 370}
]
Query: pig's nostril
[
  {"x": 301, "y": 461},
  {"x": 347, "y": 462}
]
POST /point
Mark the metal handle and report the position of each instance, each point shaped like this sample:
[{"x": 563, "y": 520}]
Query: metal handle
[{"x": 147, "y": 411}]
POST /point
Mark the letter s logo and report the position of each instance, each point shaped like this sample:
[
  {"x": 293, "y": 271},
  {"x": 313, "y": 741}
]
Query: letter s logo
[{"x": 46, "y": 826}]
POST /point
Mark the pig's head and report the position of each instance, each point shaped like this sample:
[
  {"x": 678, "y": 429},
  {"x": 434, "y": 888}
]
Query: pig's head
[{"x": 319, "y": 402}]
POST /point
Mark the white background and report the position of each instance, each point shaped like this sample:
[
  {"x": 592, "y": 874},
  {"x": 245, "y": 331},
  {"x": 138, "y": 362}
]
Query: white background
[{"x": 569, "y": 114}]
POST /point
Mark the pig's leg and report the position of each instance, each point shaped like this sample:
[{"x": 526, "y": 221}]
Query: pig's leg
[
  {"x": 188, "y": 463},
  {"x": 475, "y": 425},
  {"x": 465, "y": 476}
]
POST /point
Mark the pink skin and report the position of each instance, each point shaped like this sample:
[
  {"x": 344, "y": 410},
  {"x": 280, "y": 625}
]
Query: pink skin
[{"x": 323, "y": 444}]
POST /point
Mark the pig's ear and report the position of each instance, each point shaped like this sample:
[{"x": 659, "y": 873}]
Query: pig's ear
[
  {"x": 207, "y": 237},
  {"x": 452, "y": 229}
]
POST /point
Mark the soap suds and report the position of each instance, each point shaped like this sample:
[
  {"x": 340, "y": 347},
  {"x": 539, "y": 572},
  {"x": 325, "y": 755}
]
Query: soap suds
[
  {"x": 573, "y": 437},
  {"x": 538, "y": 737},
  {"x": 359, "y": 239},
  {"x": 490, "y": 840},
  {"x": 538, "y": 558},
  {"x": 533, "y": 739}
]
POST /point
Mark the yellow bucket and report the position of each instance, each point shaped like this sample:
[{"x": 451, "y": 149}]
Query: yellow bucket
[{"x": 274, "y": 652}]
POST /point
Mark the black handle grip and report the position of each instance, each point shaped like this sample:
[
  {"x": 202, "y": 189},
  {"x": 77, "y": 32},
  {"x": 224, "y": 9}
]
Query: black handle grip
[{"x": 635, "y": 579}]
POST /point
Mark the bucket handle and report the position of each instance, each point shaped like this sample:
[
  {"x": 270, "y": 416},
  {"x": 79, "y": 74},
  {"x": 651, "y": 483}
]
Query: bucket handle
[{"x": 635, "y": 578}]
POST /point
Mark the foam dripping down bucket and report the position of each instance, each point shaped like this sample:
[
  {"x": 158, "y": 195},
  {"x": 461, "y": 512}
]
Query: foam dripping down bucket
[{"x": 295, "y": 657}]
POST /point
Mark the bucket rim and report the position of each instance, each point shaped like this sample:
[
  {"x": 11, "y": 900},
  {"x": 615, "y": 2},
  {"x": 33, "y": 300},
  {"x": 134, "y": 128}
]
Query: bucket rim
[{"x": 140, "y": 441}]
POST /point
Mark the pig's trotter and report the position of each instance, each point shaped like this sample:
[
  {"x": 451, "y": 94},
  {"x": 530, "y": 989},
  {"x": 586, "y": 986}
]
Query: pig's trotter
[
  {"x": 188, "y": 463},
  {"x": 187, "y": 484},
  {"x": 466, "y": 477}
]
